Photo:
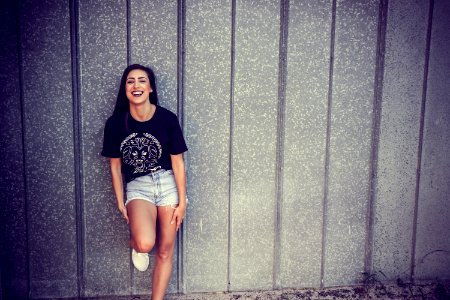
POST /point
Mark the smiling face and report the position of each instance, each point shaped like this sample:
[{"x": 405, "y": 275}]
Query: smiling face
[{"x": 138, "y": 87}]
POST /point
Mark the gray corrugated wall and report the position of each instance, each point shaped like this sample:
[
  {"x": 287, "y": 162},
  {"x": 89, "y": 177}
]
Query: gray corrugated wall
[{"x": 318, "y": 135}]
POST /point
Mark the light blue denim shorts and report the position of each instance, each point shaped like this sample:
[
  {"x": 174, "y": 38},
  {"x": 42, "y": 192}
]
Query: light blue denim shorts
[{"x": 158, "y": 188}]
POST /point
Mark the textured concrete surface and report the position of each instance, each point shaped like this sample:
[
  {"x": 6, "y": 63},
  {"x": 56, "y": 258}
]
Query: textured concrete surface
[
  {"x": 305, "y": 139},
  {"x": 207, "y": 118},
  {"x": 253, "y": 145},
  {"x": 154, "y": 42},
  {"x": 350, "y": 141},
  {"x": 12, "y": 181},
  {"x": 234, "y": 237},
  {"x": 399, "y": 137},
  {"x": 433, "y": 230},
  {"x": 48, "y": 148},
  {"x": 103, "y": 56}
]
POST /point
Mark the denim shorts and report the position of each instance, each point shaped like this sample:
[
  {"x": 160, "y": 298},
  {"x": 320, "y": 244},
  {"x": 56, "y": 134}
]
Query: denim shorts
[{"x": 158, "y": 188}]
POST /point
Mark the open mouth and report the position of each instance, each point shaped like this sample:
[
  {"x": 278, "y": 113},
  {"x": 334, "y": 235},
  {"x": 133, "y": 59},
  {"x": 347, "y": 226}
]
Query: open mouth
[{"x": 137, "y": 93}]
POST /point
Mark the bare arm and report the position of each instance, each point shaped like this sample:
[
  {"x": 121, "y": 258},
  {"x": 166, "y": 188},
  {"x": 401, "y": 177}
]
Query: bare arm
[
  {"x": 179, "y": 173},
  {"x": 117, "y": 183}
]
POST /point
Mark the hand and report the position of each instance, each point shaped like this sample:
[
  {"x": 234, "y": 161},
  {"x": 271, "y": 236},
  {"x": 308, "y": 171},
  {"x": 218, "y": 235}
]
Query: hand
[
  {"x": 124, "y": 213},
  {"x": 178, "y": 216}
]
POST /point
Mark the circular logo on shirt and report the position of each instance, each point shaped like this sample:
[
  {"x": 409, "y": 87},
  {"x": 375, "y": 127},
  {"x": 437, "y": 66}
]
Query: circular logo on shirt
[{"x": 141, "y": 151}]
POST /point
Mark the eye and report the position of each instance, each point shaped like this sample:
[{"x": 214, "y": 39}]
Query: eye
[
  {"x": 135, "y": 153},
  {"x": 144, "y": 153},
  {"x": 130, "y": 82}
]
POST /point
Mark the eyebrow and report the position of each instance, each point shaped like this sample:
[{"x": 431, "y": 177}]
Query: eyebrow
[{"x": 142, "y": 77}]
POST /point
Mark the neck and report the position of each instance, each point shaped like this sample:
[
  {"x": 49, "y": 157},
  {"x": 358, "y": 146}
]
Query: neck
[{"x": 142, "y": 112}]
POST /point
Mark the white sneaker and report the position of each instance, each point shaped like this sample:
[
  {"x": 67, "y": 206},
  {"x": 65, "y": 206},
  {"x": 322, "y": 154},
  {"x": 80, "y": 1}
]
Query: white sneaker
[{"x": 140, "y": 260}]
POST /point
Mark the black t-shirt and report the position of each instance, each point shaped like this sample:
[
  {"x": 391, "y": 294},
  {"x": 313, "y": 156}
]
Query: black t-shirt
[{"x": 144, "y": 147}]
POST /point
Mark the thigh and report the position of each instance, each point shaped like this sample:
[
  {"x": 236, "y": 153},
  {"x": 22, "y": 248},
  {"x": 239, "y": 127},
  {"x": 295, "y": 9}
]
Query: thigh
[
  {"x": 166, "y": 232},
  {"x": 142, "y": 216}
]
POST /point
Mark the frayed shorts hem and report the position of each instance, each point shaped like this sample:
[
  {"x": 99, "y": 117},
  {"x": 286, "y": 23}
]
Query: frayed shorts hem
[{"x": 173, "y": 205}]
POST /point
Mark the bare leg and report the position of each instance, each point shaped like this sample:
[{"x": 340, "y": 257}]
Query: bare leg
[
  {"x": 163, "y": 261},
  {"x": 142, "y": 215}
]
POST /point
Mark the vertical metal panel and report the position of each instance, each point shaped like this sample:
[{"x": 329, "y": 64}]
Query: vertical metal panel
[
  {"x": 254, "y": 145},
  {"x": 350, "y": 140},
  {"x": 103, "y": 57},
  {"x": 399, "y": 137},
  {"x": 48, "y": 124},
  {"x": 13, "y": 231},
  {"x": 207, "y": 120},
  {"x": 153, "y": 42},
  {"x": 433, "y": 230},
  {"x": 305, "y": 137}
]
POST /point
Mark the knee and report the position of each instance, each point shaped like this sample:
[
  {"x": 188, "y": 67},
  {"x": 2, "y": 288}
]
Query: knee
[
  {"x": 143, "y": 245},
  {"x": 165, "y": 253}
]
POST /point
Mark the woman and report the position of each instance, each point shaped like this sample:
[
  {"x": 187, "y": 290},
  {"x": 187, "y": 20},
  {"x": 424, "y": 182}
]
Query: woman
[{"x": 145, "y": 145}]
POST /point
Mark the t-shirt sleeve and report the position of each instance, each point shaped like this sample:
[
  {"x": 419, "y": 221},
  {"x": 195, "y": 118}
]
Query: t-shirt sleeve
[
  {"x": 177, "y": 142},
  {"x": 111, "y": 144}
]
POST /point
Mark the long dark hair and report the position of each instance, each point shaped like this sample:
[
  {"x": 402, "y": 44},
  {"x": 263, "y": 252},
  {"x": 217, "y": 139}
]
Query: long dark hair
[{"x": 122, "y": 103}]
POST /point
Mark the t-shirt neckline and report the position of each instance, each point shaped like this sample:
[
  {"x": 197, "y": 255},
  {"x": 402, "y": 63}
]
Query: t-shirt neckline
[{"x": 143, "y": 122}]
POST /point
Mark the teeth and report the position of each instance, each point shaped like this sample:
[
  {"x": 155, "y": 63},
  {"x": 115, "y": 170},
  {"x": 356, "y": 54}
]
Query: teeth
[{"x": 137, "y": 93}]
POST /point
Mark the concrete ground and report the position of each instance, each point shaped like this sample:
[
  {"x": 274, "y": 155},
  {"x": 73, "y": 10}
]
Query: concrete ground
[{"x": 377, "y": 290}]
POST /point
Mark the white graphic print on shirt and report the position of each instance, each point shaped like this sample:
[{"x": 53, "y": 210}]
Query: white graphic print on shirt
[{"x": 141, "y": 151}]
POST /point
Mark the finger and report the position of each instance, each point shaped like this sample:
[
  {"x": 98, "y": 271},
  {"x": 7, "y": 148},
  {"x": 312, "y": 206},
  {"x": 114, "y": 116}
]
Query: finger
[
  {"x": 179, "y": 221},
  {"x": 174, "y": 217},
  {"x": 125, "y": 215}
]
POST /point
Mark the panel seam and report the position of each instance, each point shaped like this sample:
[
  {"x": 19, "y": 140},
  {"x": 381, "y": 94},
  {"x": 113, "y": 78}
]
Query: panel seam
[
  {"x": 421, "y": 136},
  {"x": 181, "y": 49},
  {"x": 230, "y": 161},
  {"x": 282, "y": 74},
  {"x": 327, "y": 145},
  {"x": 128, "y": 41},
  {"x": 375, "y": 139},
  {"x": 78, "y": 168},
  {"x": 181, "y": 59},
  {"x": 128, "y": 11},
  {"x": 24, "y": 156}
]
